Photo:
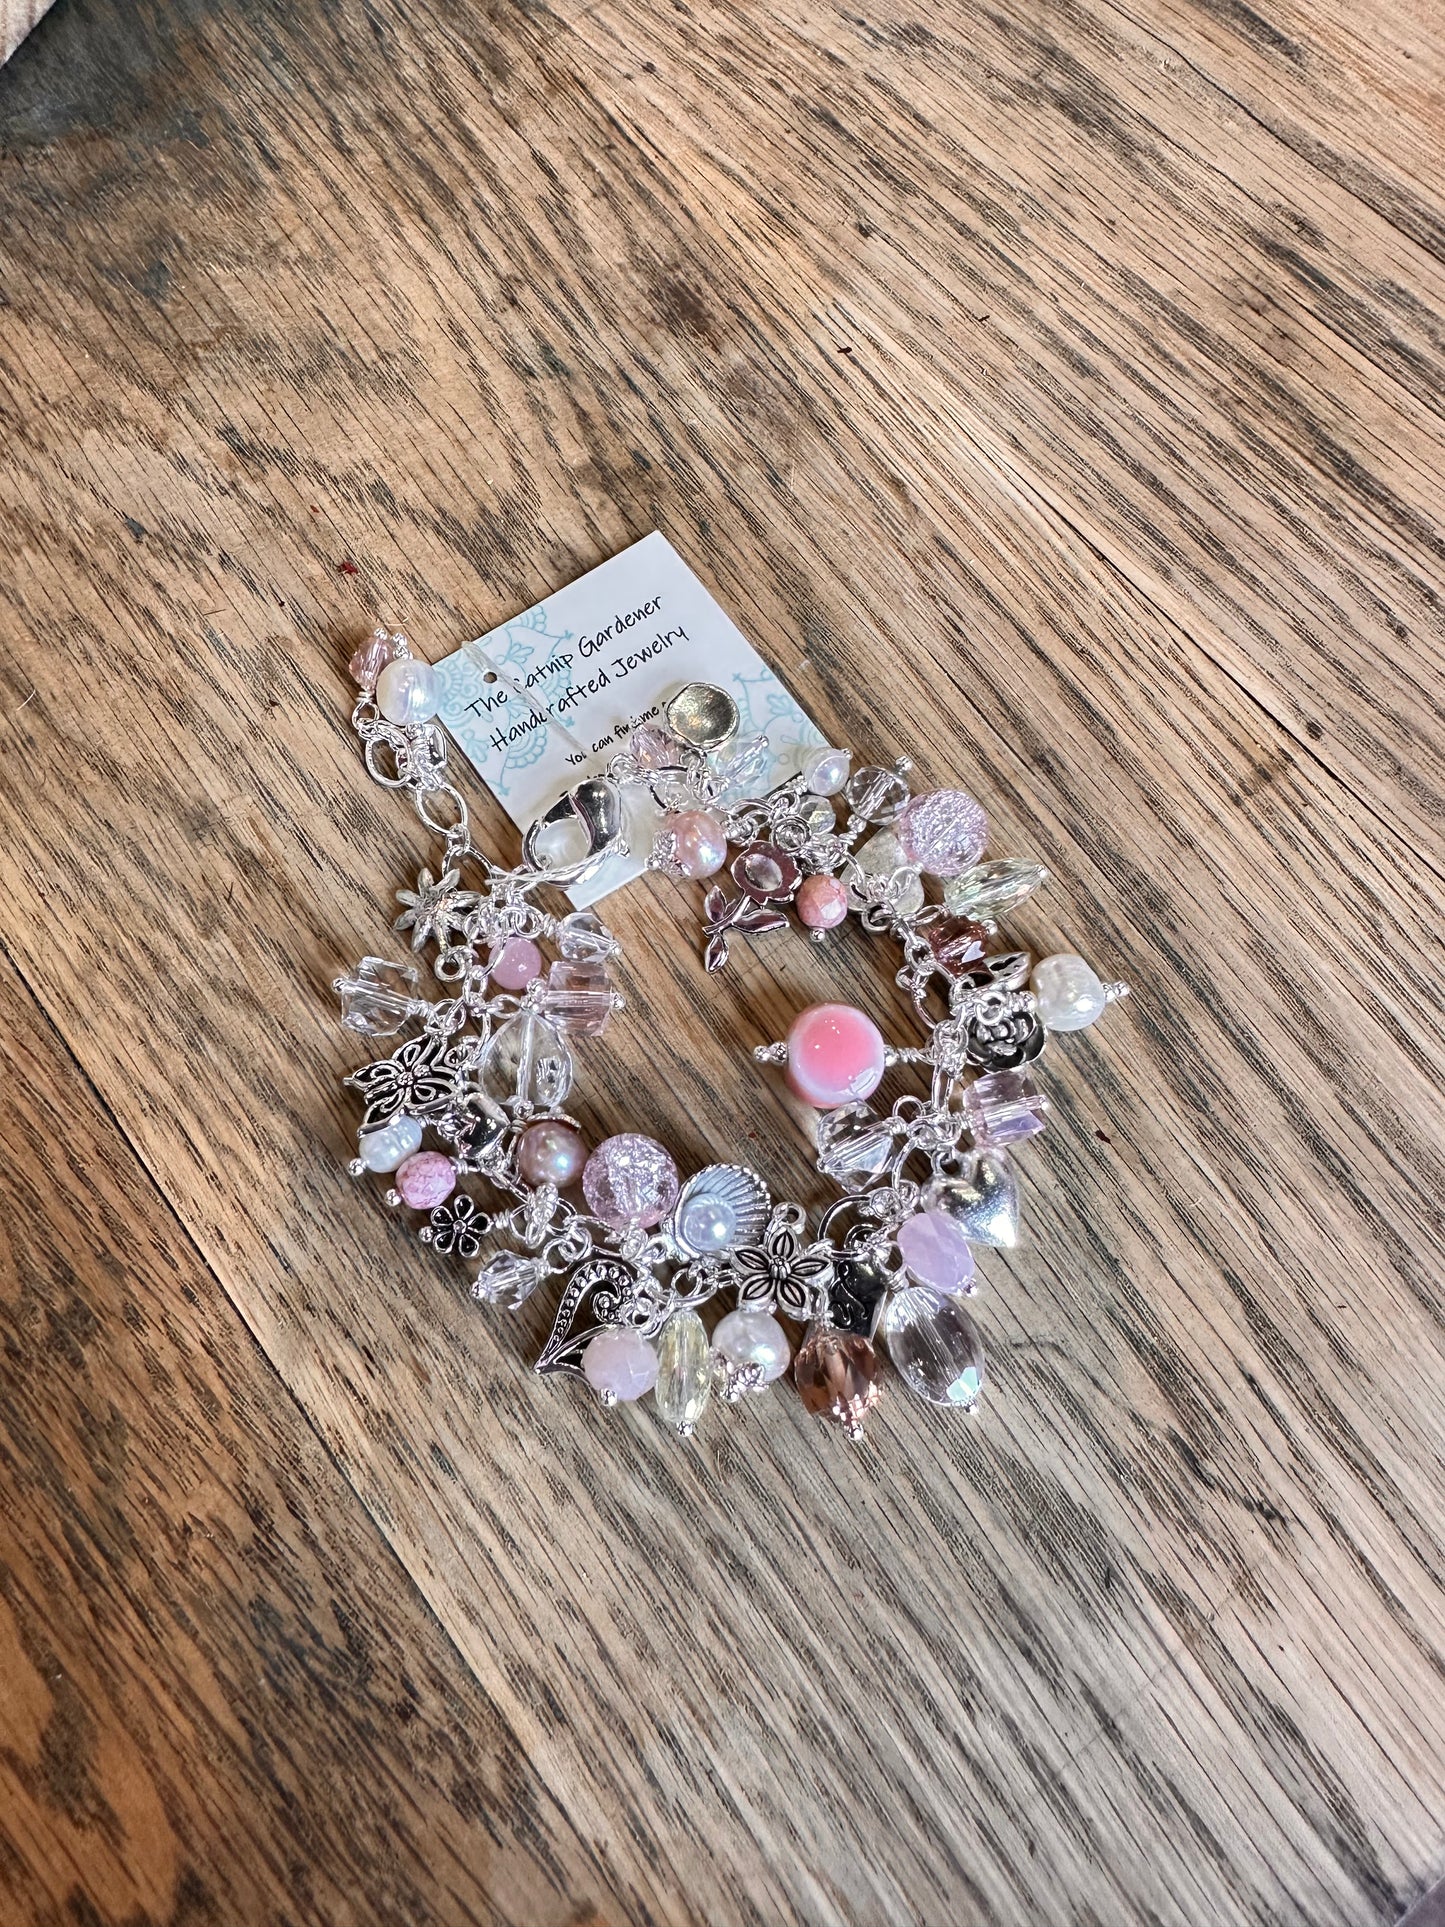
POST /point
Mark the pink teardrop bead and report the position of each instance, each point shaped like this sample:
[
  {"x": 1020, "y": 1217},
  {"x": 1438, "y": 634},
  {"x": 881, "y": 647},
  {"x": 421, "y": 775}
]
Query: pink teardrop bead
[
  {"x": 835, "y": 1056},
  {"x": 822, "y": 902}
]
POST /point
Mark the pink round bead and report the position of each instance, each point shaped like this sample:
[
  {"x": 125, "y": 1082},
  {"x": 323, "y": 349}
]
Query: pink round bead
[
  {"x": 426, "y": 1180},
  {"x": 514, "y": 963},
  {"x": 699, "y": 843},
  {"x": 936, "y": 1252},
  {"x": 550, "y": 1152},
  {"x": 835, "y": 1055},
  {"x": 620, "y": 1365},
  {"x": 630, "y": 1179},
  {"x": 943, "y": 832},
  {"x": 822, "y": 902}
]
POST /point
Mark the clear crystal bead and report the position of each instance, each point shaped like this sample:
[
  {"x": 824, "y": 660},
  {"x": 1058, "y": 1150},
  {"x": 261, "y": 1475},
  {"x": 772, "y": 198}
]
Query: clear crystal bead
[
  {"x": 739, "y": 769},
  {"x": 509, "y": 1275},
  {"x": 991, "y": 891},
  {"x": 583, "y": 937},
  {"x": 526, "y": 1063},
  {"x": 685, "y": 1369},
  {"x": 935, "y": 1346},
  {"x": 877, "y": 795},
  {"x": 378, "y": 997}
]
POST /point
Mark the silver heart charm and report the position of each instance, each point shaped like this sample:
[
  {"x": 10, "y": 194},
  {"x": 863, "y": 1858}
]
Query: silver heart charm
[{"x": 983, "y": 1198}]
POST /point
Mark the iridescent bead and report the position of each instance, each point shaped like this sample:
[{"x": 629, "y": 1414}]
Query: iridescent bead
[
  {"x": 1003, "y": 1107},
  {"x": 825, "y": 771},
  {"x": 990, "y": 891},
  {"x": 753, "y": 1338},
  {"x": 699, "y": 842},
  {"x": 942, "y": 832},
  {"x": 684, "y": 1372},
  {"x": 551, "y": 1151},
  {"x": 836, "y": 1376},
  {"x": 371, "y": 658},
  {"x": 426, "y": 1180},
  {"x": 406, "y": 691},
  {"x": 935, "y": 1346},
  {"x": 706, "y": 1223},
  {"x": 1070, "y": 994},
  {"x": 933, "y": 1247},
  {"x": 630, "y": 1180},
  {"x": 654, "y": 748},
  {"x": 822, "y": 902},
  {"x": 391, "y": 1145},
  {"x": 620, "y": 1366},
  {"x": 514, "y": 963},
  {"x": 579, "y": 998},
  {"x": 835, "y": 1055}
]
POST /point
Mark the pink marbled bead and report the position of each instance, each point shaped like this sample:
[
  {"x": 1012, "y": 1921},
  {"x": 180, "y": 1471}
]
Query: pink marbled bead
[
  {"x": 699, "y": 843},
  {"x": 426, "y": 1180},
  {"x": 936, "y": 1252},
  {"x": 835, "y": 1055},
  {"x": 822, "y": 902},
  {"x": 514, "y": 963},
  {"x": 943, "y": 832}
]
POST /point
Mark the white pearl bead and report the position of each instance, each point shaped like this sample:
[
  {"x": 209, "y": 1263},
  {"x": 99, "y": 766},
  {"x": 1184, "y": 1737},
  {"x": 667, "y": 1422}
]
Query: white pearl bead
[
  {"x": 708, "y": 1224},
  {"x": 1069, "y": 991},
  {"x": 406, "y": 691},
  {"x": 826, "y": 771},
  {"x": 753, "y": 1338},
  {"x": 392, "y": 1144}
]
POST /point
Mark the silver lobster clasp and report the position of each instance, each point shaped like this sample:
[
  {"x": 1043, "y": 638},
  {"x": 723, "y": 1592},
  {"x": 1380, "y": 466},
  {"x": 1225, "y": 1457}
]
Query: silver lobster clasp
[{"x": 596, "y": 806}]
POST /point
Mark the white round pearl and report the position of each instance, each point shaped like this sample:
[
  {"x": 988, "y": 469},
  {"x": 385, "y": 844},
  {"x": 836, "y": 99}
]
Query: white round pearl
[
  {"x": 708, "y": 1224},
  {"x": 392, "y": 1144},
  {"x": 1069, "y": 991},
  {"x": 826, "y": 771},
  {"x": 620, "y": 1365},
  {"x": 753, "y": 1338},
  {"x": 406, "y": 691}
]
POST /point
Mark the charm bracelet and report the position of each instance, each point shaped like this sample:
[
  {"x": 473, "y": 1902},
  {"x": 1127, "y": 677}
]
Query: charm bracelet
[{"x": 467, "y": 1116}]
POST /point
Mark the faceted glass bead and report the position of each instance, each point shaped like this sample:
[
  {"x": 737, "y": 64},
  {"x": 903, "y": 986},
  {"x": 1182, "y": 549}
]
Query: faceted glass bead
[
  {"x": 877, "y": 795},
  {"x": 630, "y": 1180},
  {"x": 620, "y": 1366},
  {"x": 933, "y": 1247},
  {"x": 739, "y": 769},
  {"x": 991, "y": 891},
  {"x": 836, "y": 1374},
  {"x": 942, "y": 832},
  {"x": 526, "y": 1061},
  {"x": 654, "y": 747},
  {"x": 378, "y": 998},
  {"x": 956, "y": 942},
  {"x": 583, "y": 937},
  {"x": 371, "y": 658},
  {"x": 509, "y": 1275},
  {"x": 684, "y": 1372},
  {"x": 578, "y": 998},
  {"x": 935, "y": 1346},
  {"x": 1003, "y": 1108}
]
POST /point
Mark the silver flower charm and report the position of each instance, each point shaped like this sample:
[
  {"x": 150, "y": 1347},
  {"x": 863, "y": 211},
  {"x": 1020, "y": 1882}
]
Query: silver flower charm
[
  {"x": 457, "y": 1226},
  {"x": 782, "y": 1272},
  {"x": 435, "y": 908}
]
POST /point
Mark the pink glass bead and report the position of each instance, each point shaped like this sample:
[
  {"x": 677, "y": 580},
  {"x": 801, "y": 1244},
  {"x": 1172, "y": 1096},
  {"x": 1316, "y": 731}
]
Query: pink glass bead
[
  {"x": 936, "y": 1252},
  {"x": 655, "y": 747},
  {"x": 620, "y": 1366},
  {"x": 835, "y": 1055},
  {"x": 514, "y": 963},
  {"x": 551, "y": 1152},
  {"x": 822, "y": 902},
  {"x": 579, "y": 998},
  {"x": 1003, "y": 1108},
  {"x": 943, "y": 832},
  {"x": 699, "y": 843},
  {"x": 426, "y": 1180},
  {"x": 371, "y": 658},
  {"x": 630, "y": 1179}
]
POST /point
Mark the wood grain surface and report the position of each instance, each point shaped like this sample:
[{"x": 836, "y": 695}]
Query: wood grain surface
[{"x": 1051, "y": 391}]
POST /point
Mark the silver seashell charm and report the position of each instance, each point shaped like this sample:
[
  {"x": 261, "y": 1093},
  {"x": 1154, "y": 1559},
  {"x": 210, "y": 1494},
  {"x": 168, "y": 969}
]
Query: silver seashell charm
[
  {"x": 723, "y": 1206},
  {"x": 983, "y": 1198}
]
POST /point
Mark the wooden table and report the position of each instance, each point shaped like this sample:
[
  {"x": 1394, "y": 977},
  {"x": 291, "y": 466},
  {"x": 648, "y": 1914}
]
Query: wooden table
[{"x": 1052, "y": 391}]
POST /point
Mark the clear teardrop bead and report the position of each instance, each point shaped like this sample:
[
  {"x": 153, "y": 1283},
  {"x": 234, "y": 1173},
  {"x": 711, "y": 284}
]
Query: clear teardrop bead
[
  {"x": 684, "y": 1376},
  {"x": 935, "y": 1346},
  {"x": 990, "y": 891}
]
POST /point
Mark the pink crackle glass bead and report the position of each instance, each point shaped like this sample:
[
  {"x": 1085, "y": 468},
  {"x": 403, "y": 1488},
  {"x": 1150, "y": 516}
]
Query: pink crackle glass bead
[
  {"x": 426, "y": 1180},
  {"x": 514, "y": 963},
  {"x": 822, "y": 902},
  {"x": 371, "y": 658},
  {"x": 943, "y": 832},
  {"x": 630, "y": 1179},
  {"x": 835, "y": 1055},
  {"x": 699, "y": 843},
  {"x": 936, "y": 1252}
]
